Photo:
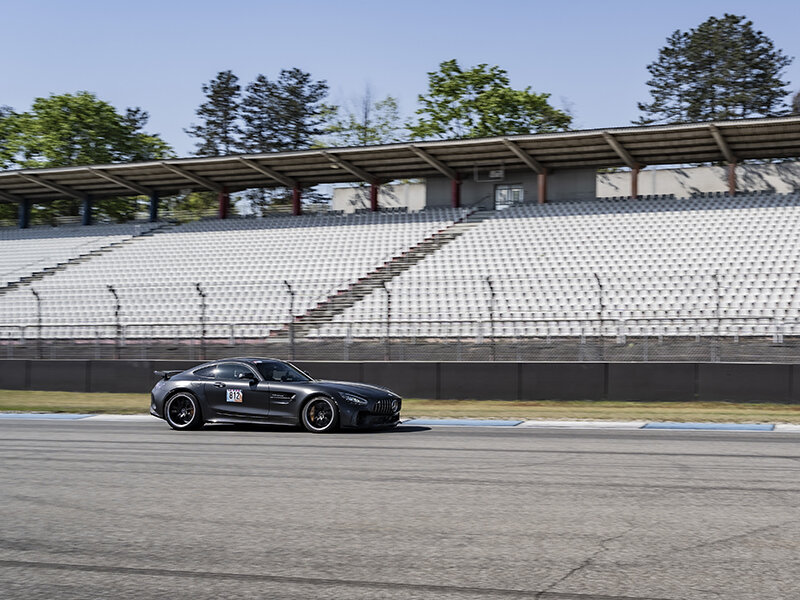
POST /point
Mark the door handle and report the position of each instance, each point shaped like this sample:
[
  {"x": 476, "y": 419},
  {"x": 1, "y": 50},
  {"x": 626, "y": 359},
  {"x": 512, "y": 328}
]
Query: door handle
[{"x": 219, "y": 384}]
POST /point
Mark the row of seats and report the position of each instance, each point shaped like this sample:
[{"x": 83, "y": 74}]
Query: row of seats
[
  {"x": 683, "y": 259},
  {"x": 24, "y": 252},
  {"x": 243, "y": 267}
]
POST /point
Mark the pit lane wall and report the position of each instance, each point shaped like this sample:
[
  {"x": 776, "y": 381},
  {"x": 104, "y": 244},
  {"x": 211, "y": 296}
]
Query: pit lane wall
[{"x": 755, "y": 382}]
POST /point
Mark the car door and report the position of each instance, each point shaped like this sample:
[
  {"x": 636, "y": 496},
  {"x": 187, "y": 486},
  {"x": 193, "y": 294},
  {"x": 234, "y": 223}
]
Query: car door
[
  {"x": 231, "y": 396},
  {"x": 283, "y": 391}
]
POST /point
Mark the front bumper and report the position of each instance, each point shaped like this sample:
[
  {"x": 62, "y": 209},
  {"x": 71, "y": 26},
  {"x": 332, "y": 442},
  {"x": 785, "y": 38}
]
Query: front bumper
[{"x": 378, "y": 413}]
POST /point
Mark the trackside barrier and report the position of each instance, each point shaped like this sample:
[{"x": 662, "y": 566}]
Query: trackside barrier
[{"x": 654, "y": 382}]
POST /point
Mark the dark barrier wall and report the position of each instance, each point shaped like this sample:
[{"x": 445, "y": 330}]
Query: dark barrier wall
[{"x": 651, "y": 382}]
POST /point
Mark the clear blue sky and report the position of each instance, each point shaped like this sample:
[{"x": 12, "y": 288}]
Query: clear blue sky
[{"x": 589, "y": 54}]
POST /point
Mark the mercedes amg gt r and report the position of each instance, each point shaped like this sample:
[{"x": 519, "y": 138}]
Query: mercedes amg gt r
[{"x": 261, "y": 390}]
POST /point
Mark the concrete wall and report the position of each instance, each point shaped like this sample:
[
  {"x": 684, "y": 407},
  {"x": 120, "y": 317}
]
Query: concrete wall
[
  {"x": 409, "y": 195},
  {"x": 562, "y": 186},
  {"x": 780, "y": 178},
  {"x": 649, "y": 382},
  {"x": 576, "y": 185}
]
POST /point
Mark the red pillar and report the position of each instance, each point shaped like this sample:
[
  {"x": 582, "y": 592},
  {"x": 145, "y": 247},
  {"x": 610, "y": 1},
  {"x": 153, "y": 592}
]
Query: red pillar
[
  {"x": 224, "y": 200},
  {"x": 542, "y": 177},
  {"x": 455, "y": 193},
  {"x": 635, "y": 183},
  {"x": 297, "y": 206},
  {"x": 732, "y": 178},
  {"x": 373, "y": 197}
]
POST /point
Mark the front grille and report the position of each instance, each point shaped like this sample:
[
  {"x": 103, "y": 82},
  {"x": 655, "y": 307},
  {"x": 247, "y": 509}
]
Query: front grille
[{"x": 384, "y": 406}]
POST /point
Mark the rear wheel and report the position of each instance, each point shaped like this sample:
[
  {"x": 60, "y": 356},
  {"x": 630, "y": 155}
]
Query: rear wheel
[
  {"x": 182, "y": 411},
  {"x": 320, "y": 415}
]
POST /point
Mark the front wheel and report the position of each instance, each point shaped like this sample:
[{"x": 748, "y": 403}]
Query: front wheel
[
  {"x": 182, "y": 411},
  {"x": 320, "y": 415}
]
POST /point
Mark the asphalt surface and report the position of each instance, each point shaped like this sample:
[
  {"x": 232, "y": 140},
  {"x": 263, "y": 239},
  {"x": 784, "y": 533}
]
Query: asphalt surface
[{"x": 134, "y": 510}]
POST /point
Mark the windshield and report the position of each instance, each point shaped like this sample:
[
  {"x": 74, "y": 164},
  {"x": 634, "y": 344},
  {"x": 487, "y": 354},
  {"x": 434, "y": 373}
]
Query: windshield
[{"x": 273, "y": 370}]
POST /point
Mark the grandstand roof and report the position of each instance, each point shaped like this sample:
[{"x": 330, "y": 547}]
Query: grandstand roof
[{"x": 768, "y": 138}]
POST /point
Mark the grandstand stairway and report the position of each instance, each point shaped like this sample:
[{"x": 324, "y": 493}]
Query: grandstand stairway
[
  {"x": 52, "y": 270},
  {"x": 344, "y": 299}
]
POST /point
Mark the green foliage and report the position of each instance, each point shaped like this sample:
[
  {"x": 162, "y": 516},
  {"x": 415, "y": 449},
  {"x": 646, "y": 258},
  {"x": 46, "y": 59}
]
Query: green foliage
[
  {"x": 796, "y": 104},
  {"x": 279, "y": 115},
  {"x": 79, "y": 129},
  {"x": 64, "y": 130},
  {"x": 8, "y": 130},
  {"x": 723, "y": 69},
  {"x": 480, "y": 102},
  {"x": 219, "y": 131},
  {"x": 284, "y": 114},
  {"x": 366, "y": 122}
]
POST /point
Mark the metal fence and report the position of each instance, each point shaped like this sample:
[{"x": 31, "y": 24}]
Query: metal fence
[
  {"x": 496, "y": 340},
  {"x": 585, "y": 318}
]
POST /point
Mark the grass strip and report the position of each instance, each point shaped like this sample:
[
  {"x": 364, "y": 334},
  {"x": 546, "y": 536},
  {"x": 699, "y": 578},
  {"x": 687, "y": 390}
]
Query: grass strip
[{"x": 99, "y": 403}]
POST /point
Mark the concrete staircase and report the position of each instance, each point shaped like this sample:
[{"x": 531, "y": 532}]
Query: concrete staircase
[
  {"x": 39, "y": 275},
  {"x": 345, "y": 298}
]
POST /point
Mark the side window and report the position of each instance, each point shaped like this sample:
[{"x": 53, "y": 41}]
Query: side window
[
  {"x": 231, "y": 371},
  {"x": 227, "y": 371},
  {"x": 206, "y": 372}
]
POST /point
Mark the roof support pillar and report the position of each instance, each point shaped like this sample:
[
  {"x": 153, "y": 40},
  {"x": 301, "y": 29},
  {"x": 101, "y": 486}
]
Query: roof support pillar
[
  {"x": 24, "y": 213},
  {"x": 635, "y": 182},
  {"x": 153, "y": 207},
  {"x": 455, "y": 193},
  {"x": 224, "y": 199},
  {"x": 732, "y": 178},
  {"x": 542, "y": 180},
  {"x": 297, "y": 205},
  {"x": 86, "y": 211},
  {"x": 373, "y": 197}
]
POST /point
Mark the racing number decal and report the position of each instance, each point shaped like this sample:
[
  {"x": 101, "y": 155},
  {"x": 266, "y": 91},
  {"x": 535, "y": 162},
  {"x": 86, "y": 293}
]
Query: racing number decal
[{"x": 233, "y": 396}]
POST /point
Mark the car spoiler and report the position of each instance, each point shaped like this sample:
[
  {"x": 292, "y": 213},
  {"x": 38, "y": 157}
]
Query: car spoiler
[{"x": 166, "y": 374}]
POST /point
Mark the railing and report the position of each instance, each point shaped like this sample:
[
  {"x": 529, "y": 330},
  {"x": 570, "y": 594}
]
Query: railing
[{"x": 744, "y": 339}]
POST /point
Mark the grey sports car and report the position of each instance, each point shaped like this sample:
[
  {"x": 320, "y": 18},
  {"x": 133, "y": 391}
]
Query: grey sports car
[{"x": 265, "y": 390}]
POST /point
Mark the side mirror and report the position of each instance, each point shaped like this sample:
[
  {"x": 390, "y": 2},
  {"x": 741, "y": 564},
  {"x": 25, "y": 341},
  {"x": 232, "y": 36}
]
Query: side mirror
[{"x": 246, "y": 375}]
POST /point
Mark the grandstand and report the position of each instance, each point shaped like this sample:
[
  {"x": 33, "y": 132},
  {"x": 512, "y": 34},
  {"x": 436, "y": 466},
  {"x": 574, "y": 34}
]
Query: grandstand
[
  {"x": 27, "y": 252},
  {"x": 554, "y": 275},
  {"x": 674, "y": 267},
  {"x": 254, "y": 273}
]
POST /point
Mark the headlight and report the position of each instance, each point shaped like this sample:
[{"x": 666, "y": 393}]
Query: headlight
[{"x": 354, "y": 399}]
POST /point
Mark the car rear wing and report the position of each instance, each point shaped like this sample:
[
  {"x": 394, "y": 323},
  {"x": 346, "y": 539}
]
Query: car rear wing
[{"x": 166, "y": 374}]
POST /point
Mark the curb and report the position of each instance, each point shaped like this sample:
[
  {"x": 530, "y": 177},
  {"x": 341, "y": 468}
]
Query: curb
[{"x": 513, "y": 424}]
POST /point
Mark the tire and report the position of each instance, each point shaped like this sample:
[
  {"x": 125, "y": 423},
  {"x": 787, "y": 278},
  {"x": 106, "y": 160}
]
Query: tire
[
  {"x": 320, "y": 415},
  {"x": 182, "y": 411}
]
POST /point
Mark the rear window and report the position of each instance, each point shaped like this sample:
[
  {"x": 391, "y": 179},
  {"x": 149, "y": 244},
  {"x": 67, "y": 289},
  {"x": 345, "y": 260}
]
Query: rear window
[{"x": 206, "y": 372}]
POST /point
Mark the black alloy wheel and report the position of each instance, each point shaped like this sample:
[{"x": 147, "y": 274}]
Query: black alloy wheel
[
  {"x": 320, "y": 415},
  {"x": 183, "y": 412}
]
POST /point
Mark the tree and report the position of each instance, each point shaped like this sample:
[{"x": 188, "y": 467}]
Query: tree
[
  {"x": 80, "y": 129},
  {"x": 218, "y": 132},
  {"x": 365, "y": 122},
  {"x": 479, "y": 102},
  {"x": 285, "y": 114},
  {"x": 8, "y": 128},
  {"x": 722, "y": 69},
  {"x": 796, "y": 104}
]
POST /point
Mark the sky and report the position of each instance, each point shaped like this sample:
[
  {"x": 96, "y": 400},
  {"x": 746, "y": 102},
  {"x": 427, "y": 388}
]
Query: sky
[{"x": 591, "y": 56}]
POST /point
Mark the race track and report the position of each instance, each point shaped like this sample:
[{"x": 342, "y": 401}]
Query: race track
[{"x": 134, "y": 510}]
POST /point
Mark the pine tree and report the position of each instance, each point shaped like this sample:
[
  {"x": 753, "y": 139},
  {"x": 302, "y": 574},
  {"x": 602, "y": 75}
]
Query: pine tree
[
  {"x": 219, "y": 130},
  {"x": 722, "y": 69},
  {"x": 796, "y": 104}
]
